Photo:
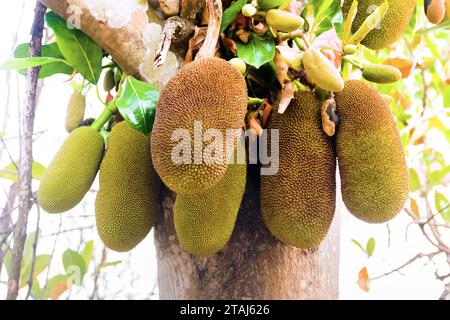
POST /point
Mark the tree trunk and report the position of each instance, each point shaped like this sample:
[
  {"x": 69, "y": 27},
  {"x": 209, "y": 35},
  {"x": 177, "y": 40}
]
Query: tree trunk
[{"x": 254, "y": 265}]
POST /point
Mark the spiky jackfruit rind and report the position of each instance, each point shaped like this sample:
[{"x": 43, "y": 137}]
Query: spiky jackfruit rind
[
  {"x": 298, "y": 203},
  {"x": 372, "y": 163},
  {"x": 126, "y": 201},
  {"x": 72, "y": 171},
  {"x": 75, "y": 111},
  {"x": 205, "y": 221},
  {"x": 209, "y": 90},
  {"x": 392, "y": 26}
]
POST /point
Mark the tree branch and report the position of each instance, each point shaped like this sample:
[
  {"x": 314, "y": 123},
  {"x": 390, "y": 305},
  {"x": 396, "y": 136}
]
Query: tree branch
[
  {"x": 26, "y": 154},
  {"x": 125, "y": 45}
]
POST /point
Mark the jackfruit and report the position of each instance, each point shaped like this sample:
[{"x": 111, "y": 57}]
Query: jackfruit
[
  {"x": 370, "y": 155},
  {"x": 126, "y": 201},
  {"x": 392, "y": 26},
  {"x": 109, "y": 82},
  {"x": 205, "y": 221},
  {"x": 435, "y": 10},
  {"x": 208, "y": 94},
  {"x": 284, "y": 21},
  {"x": 298, "y": 203},
  {"x": 447, "y": 9},
  {"x": 72, "y": 171},
  {"x": 380, "y": 73},
  {"x": 321, "y": 71},
  {"x": 75, "y": 111}
]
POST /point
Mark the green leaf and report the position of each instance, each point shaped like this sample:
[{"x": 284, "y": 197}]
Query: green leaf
[
  {"x": 323, "y": 12},
  {"x": 436, "y": 177},
  {"x": 414, "y": 180},
  {"x": 442, "y": 206},
  {"x": 359, "y": 245},
  {"x": 41, "y": 263},
  {"x": 270, "y": 4},
  {"x": 87, "y": 252},
  {"x": 110, "y": 264},
  {"x": 7, "y": 261},
  {"x": 74, "y": 266},
  {"x": 81, "y": 51},
  {"x": 231, "y": 13},
  {"x": 49, "y": 51},
  {"x": 25, "y": 63},
  {"x": 137, "y": 104},
  {"x": 447, "y": 97},
  {"x": 370, "y": 246},
  {"x": 10, "y": 172},
  {"x": 257, "y": 51}
]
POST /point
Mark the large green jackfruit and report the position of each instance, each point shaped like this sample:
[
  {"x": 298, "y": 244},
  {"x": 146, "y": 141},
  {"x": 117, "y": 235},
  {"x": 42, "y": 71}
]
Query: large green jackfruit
[
  {"x": 75, "y": 111},
  {"x": 126, "y": 201},
  {"x": 72, "y": 171},
  {"x": 392, "y": 26},
  {"x": 205, "y": 221},
  {"x": 298, "y": 203},
  {"x": 370, "y": 155},
  {"x": 212, "y": 94}
]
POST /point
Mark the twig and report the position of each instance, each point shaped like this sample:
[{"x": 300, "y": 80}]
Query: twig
[
  {"x": 67, "y": 231},
  {"x": 52, "y": 254},
  {"x": 97, "y": 274},
  {"x": 33, "y": 257},
  {"x": 407, "y": 263},
  {"x": 26, "y": 154}
]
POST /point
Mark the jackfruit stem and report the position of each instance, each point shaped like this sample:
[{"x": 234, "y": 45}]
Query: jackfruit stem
[
  {"x": 252, "y": 101},
  {"x": 104, "y": 117}
]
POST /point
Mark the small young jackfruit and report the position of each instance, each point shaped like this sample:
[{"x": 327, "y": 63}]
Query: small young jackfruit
[
  {"x": 72, "y": 171},
  {"x": 126, "y": 201},
  {"x": 75, "y": 111},
  {"x": 283, "y": 21},
  {"x": 109, "y": 82},
  {"x": 435, "y": 10},
  {"x": 207, "y": 95},
  {"x": 370, "y": 154},
  {"x": 205, "y": 221},
  {"x": 298, "y": 203},
  {"x": 392, "y": 26},
  {"x": 380, "y": 73},
  {"x": 321, "y": 71}
]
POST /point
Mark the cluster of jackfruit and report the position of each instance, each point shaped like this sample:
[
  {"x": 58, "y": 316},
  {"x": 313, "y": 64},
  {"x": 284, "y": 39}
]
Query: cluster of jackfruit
[
  {"x": 128, "y": 193},
  {"x": 298, "y": 203},
  {"x": 212, "y": 93}
]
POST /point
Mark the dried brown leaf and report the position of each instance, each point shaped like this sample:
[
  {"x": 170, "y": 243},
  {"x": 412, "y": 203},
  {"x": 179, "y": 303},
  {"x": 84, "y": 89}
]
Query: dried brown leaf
[
  {"x": 287, "y": 94},
  {"x": 364, "y": 280}
]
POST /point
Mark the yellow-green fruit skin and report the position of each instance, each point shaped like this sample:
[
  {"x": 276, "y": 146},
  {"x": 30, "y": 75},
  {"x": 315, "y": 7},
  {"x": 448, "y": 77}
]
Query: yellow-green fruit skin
[
  {"x": 298, "y": 203},
  {"x": 128, "y": 193},
  {"x": 392, "y": 26},
  {"x": 379, "y": 73},
  {"x": 210, "y": 92},
  {"x": 205, "y": 221},
  {"x": 72, "y": 171},
  {"x": 75, "y": 111},
  {"x": 372, "y": 165}
]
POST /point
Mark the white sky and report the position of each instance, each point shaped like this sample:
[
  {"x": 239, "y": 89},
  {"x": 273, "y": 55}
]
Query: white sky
[{"x": 416, "y": 282}]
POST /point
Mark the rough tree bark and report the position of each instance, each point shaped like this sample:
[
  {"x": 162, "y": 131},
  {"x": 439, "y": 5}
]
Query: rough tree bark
[{"x": 253, "y": 265}]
